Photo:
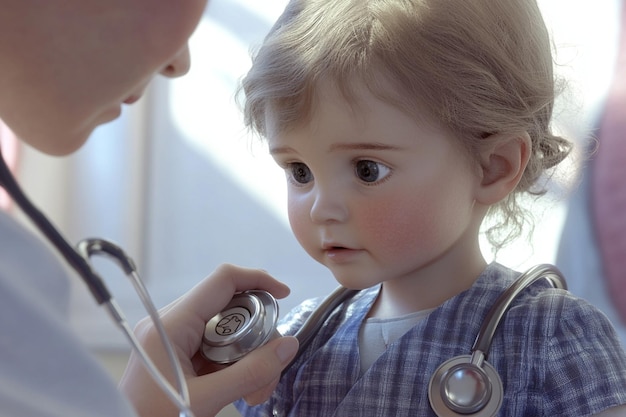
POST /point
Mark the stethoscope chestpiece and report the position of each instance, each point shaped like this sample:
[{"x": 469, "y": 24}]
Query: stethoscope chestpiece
[
  {"x": 468, "y": 384},
  {"x": 465, "y": 385},
  {"x": 246, "y": 323}
]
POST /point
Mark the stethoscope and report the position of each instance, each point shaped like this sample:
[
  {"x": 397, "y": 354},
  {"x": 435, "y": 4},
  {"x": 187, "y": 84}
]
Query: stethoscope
[
  {"x": 461, "y": 386},
  {"x": 464, "y": 385},
  {"x": 79, "y": 259}
]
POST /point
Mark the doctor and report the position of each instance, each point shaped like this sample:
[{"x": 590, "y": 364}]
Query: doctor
[{"x": 65, "y": 68}]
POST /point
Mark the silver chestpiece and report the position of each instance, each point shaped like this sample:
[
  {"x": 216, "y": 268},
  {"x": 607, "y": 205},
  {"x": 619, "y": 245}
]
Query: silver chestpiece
[{"x": 246, "y": 323}]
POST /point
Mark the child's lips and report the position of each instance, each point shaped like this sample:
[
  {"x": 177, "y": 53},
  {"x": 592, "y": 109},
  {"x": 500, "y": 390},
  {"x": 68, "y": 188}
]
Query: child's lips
[
  {"x": 332, "y": 246},
  {"x": 339, "y": 253}
]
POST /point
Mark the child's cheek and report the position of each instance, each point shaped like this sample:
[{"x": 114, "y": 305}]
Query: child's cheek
[
  {"x": 397, "y": 226},
  {"x": 301, "y": 225}
]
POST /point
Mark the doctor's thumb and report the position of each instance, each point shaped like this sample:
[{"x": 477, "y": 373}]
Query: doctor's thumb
[
  {"x": 286, "y": 350},
  {"x": 253, "y": 377},
  {"x": 264, "y": 365}
]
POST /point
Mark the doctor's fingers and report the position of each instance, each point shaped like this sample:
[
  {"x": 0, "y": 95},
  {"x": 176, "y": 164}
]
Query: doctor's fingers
[
  {"x": 254, "y": 377},
  {"x": 211, "y": 295},
  {"x": 184, "y": 319}
]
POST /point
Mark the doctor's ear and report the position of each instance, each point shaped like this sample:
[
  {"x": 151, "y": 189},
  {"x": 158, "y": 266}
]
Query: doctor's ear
[{"x": 502, "y": 165}]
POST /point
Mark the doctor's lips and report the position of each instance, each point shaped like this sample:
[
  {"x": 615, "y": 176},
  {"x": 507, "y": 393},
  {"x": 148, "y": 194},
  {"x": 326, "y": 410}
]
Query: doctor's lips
[{"x": 132, "y": 99}]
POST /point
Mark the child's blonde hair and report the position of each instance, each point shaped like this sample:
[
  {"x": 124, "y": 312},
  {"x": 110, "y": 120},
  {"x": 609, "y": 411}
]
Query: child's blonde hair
[{"x": 478, "y": 67}]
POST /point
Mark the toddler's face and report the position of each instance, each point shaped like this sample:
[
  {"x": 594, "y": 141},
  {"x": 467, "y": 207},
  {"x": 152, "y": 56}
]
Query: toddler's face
[
  {"x": 75, "y": 62},
  {"x": 374, "y": 194}
]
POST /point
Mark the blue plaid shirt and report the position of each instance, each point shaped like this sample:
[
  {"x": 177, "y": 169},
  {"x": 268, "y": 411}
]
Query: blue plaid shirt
[{"x": 556, "y": 355}]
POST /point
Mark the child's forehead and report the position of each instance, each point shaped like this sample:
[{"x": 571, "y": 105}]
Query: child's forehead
[
  {"x": 336, "y": 111},
  {"x": 355, "y": 95}
]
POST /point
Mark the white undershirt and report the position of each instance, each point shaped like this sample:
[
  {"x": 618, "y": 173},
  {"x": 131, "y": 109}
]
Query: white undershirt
[{"x": 377, "y": 334}]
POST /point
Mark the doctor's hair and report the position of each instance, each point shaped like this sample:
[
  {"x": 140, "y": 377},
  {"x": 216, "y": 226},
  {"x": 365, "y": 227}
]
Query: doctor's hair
[{"x": 476, "y": 67}]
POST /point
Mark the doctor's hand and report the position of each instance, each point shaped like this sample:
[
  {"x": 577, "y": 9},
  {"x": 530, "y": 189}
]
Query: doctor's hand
[{"x": 253, "y": 377}]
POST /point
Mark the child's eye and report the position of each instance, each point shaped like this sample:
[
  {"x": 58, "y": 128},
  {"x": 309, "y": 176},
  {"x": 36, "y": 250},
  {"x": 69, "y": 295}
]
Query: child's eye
[
  {"x": 370, "y": 171},
  {"x": 300, "y": 173}
]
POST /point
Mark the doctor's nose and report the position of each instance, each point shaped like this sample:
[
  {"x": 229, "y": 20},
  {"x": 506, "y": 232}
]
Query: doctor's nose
[
  {"x": 328, "y": 206},
  {"x": 179, "y": 65}
]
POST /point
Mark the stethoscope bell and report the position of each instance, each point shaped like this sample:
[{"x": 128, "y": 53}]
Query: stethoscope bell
[
  {"x": 468, "y": 384},
  {"x": 246, "y": 323},
  {"x": 465, "y": 385}
]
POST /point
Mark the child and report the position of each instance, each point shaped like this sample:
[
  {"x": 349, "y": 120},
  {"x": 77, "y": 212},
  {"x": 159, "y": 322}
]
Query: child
[{"x": 401, "y": 124}]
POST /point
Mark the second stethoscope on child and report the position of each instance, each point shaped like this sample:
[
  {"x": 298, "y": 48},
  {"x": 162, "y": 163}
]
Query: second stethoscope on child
[
  {"x": 464, "y": 385},
  {"x": 461, "y": 386}
]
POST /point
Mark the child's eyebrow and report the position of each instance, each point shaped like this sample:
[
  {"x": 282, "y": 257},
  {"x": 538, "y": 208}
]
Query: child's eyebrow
[
  {"x": 277, "y": 150},
  {"x": 368, "y": 146}
]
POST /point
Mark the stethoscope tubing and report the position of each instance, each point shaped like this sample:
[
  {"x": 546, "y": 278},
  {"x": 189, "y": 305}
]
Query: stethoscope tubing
[
  {"x": 317, "y": 318},
  {"x": 95, "y": 246},
  {"x": 491, "y": 399},
  {"x": 487, "y": 330},
  {"x": 502, "y": 304},
  {"x": 79, "y": 260},
  {"x": 80, "y": 264}
]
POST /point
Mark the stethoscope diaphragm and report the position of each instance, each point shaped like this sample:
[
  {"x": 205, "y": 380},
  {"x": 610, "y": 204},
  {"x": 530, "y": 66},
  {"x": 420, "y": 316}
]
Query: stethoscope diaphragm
[{"x": 246, "y": 323}]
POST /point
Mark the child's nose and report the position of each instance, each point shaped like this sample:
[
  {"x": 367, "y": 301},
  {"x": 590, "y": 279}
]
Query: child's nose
[{"x": 329, "y": 205}]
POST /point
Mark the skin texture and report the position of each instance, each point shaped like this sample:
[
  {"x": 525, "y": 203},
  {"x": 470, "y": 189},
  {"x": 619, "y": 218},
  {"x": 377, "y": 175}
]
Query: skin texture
[
  {"x": 67, "y": 67},
  {"x": 414, "y": 226}
]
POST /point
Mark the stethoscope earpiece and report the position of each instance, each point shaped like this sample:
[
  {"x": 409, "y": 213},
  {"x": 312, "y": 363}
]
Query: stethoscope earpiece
[{"x": 465, "y": 385}]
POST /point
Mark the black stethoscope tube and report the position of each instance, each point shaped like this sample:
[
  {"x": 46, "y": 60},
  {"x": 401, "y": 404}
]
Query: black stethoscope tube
[
  {"x": 78, "y": 259},
  {"x": 74, "y": 259}
]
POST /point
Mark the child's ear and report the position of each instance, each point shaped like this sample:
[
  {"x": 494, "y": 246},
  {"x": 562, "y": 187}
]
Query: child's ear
[{"x": 502, "y": 166}]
